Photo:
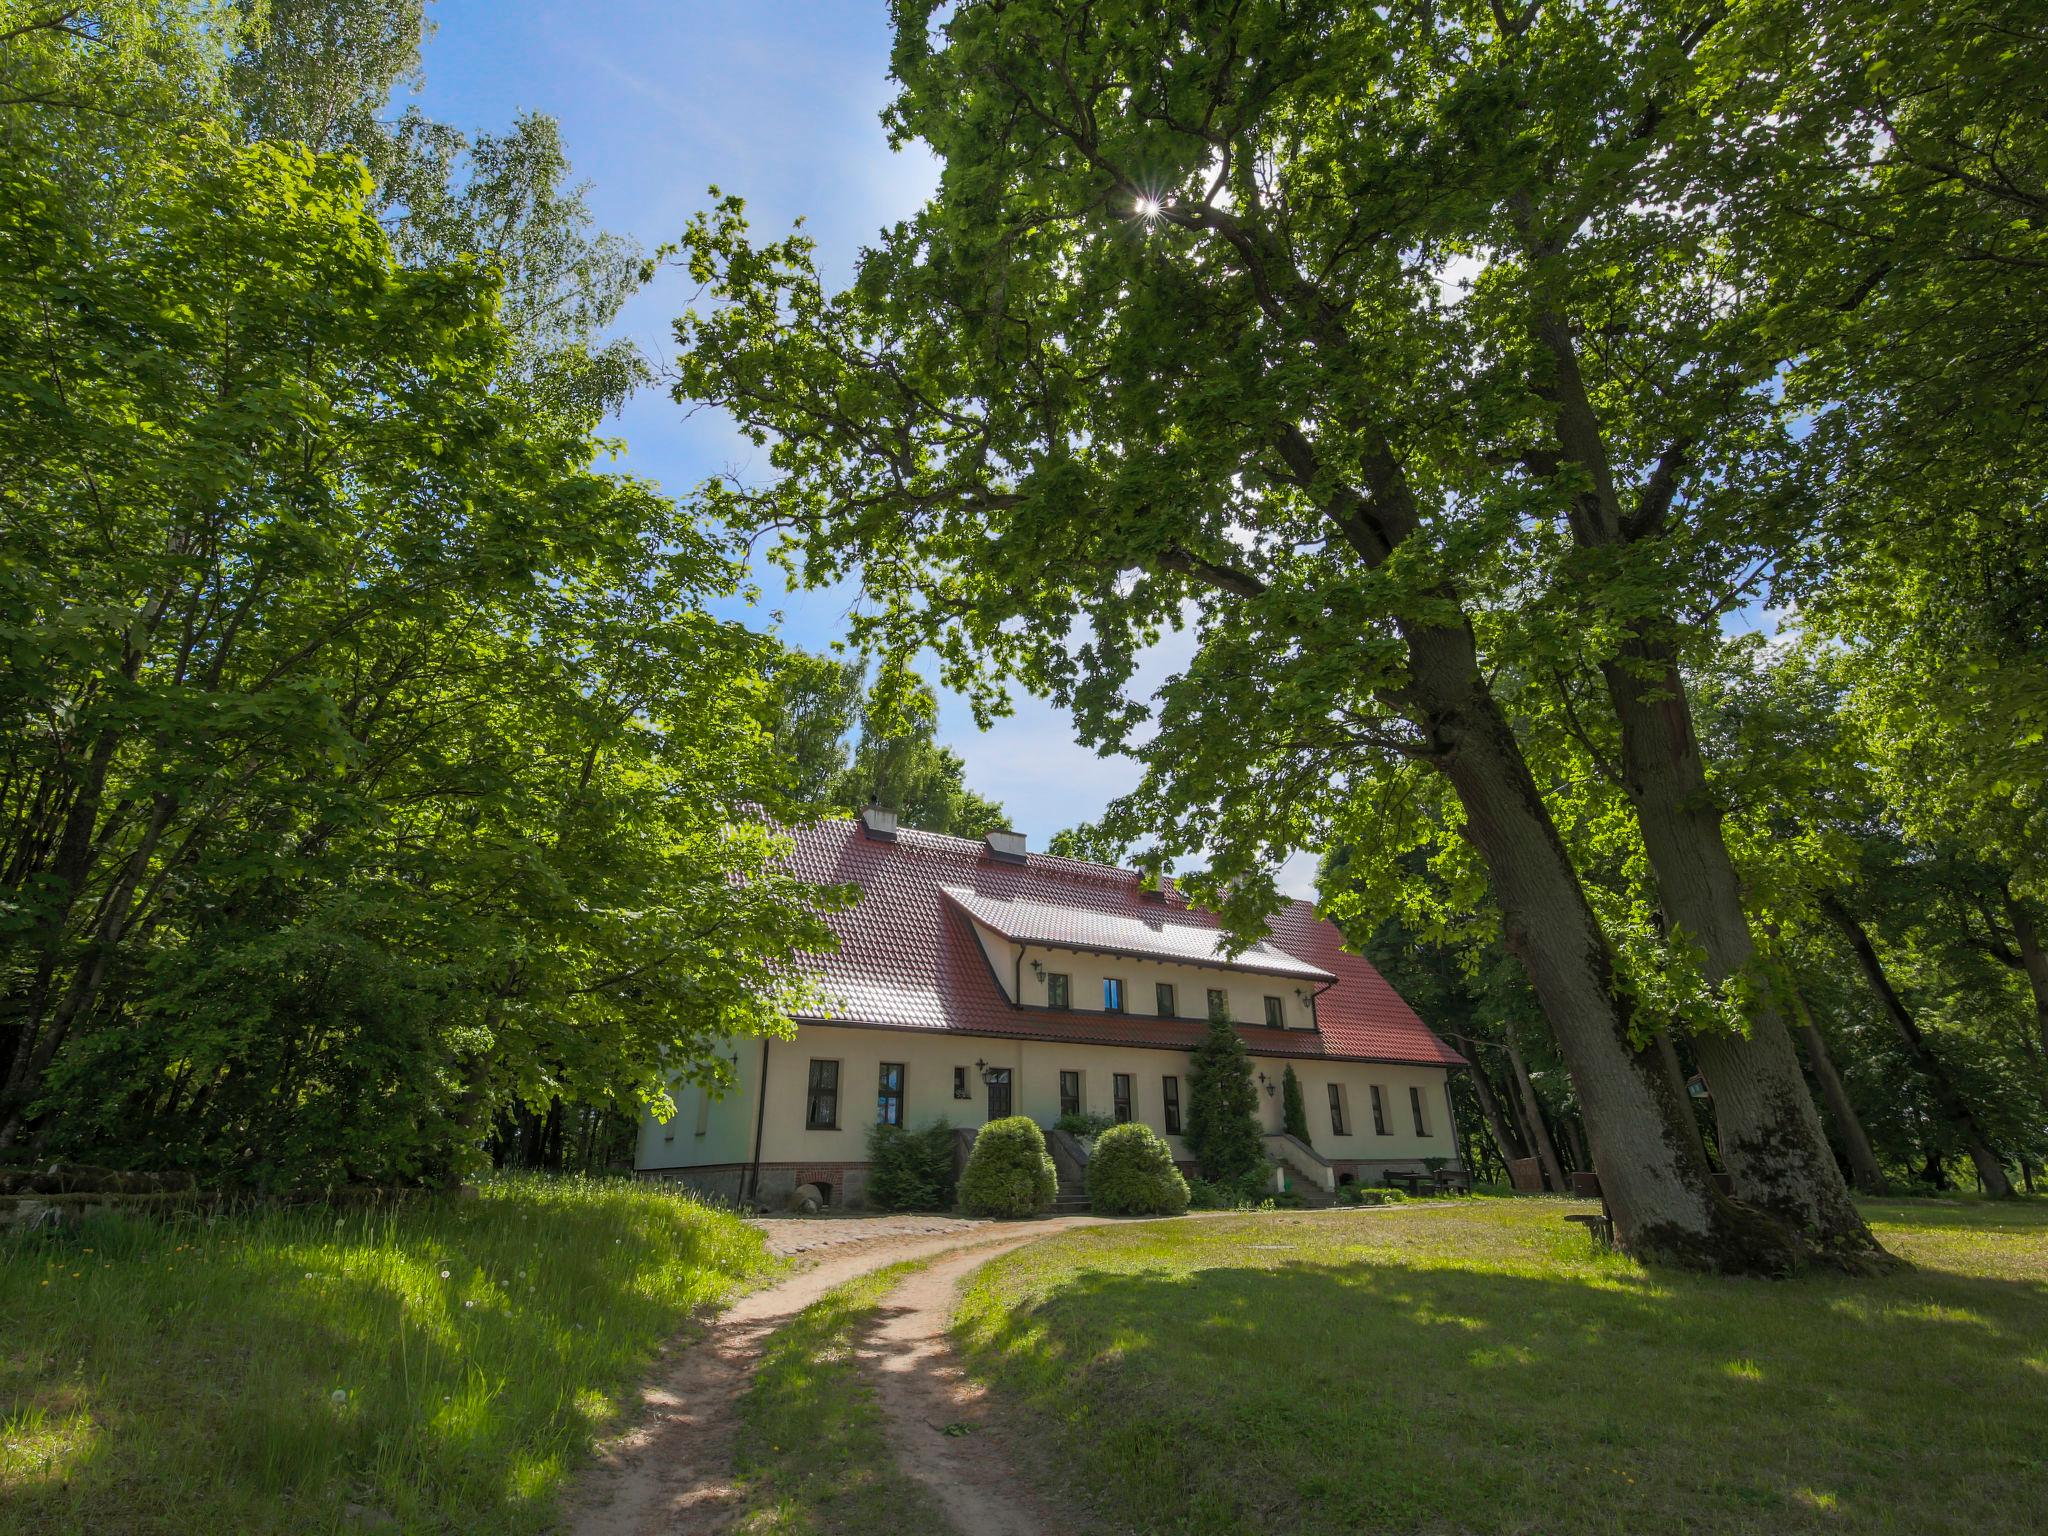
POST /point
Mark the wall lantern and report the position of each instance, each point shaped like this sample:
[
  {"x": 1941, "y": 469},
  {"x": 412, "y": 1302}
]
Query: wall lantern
[
  {"x": 1268, "y": 1084},
  {"x": 987, "y": 1072},
  {"x": 1038, "y": 969}
]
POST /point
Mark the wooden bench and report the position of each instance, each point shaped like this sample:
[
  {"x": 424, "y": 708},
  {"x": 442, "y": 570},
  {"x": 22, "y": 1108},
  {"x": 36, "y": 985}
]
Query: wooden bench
[
  {"x": 1600, "y": 1228},
  {"x": 1454, "y": 1181},
  {"x": 1410, "y": 1179},
  {"x": 1586, "y": 1186}
]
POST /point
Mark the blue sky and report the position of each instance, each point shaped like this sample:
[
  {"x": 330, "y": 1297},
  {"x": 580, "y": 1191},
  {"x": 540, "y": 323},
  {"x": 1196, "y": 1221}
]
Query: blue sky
[{"x": 779, "y": 102}]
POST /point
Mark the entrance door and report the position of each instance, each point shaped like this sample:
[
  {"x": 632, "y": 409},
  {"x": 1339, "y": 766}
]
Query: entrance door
[{"x": 998, "y": 1093}]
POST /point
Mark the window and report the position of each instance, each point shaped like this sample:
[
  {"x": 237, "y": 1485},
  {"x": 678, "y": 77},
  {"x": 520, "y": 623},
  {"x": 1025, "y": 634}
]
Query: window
[
  {"x": 998, "y": 1079},
  {"x": 1276, "y": 1013},
  {"x": 1058, "y": 990},
  {"x": 960, "y": 1083},
  {"x": 889, "y": 1098},
  {"x": 821, "y": 1106},
  {"x": 1337, "y": 1111},
  {"x": 1219, "y": 1003},
  {"x": 1171, "y": 1090},
  {"x": 1379, "y": 1111},
  {"x": 1070, "y": 1093},
  {"x": 1112, "y": 994},
  {"x": 1162, "y": 995},
  {"x": 1120, "y": 1086},
  {"x": 1415, "y": 1103}
]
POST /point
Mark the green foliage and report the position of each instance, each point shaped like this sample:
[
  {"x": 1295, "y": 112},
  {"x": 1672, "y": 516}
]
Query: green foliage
[
  {"x": 1131, "y": 1173},
  {"x": 1009, "y": 1172},
  {"x": 375, "y": 763},
  {"x": 910, "y": 1170},
  {"x": 1369, "y": 1194},
  {"x": 479, "y": 1345},
  {"x": 894, "y": 760},
  {"x": 1223, "y": 1108},
  {"x": 1293, "y": 1112},
  {"x": 1248, "y": 1192}
]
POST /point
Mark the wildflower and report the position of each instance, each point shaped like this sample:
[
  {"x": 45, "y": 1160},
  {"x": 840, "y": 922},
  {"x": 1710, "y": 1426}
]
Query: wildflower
[
  {"x": 469, "y": 1303},
  {"x": 444, "y": 1274},
  {"x": 338, "y": 1396}
]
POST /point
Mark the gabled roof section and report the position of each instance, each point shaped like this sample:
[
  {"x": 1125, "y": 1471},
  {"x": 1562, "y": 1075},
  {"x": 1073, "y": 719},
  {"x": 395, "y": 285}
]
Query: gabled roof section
[
  {"x": 908, "y": 957},
  {"x": 1160, "y": 934}
]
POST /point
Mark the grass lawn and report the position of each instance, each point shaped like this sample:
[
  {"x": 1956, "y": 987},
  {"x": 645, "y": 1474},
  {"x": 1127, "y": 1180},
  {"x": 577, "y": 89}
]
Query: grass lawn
[
  {"x": 441, "y": 1365},
  {"x": 812, "y": 1455},
  {"x": 1479, "y": 1366}
]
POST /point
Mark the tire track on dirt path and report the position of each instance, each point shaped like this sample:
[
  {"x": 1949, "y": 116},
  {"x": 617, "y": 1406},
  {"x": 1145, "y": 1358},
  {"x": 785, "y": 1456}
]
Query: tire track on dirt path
[
  {"x": 940, "y": 1426},
  {"x": 671, "y": 1473}
]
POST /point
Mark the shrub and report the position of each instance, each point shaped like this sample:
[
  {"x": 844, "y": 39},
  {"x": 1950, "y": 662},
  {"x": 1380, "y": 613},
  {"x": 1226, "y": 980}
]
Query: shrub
[
  {"x": 1009, "y": 1173},
  {"x": 1223, "y": 1107},
  {"x": 1131, "y": 1173},
  {"x": 1246, "y": 1193},
  {"x": 910, "y": 1170},
  {"x": 1293, "y": 1112},
  {"x": 1361, "y": 1194},
  {"x": 1088, "y": 1126}
]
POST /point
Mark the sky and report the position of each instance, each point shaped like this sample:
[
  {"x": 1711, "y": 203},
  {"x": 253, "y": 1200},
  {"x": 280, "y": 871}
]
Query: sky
[{"x": 779, "y": 102}]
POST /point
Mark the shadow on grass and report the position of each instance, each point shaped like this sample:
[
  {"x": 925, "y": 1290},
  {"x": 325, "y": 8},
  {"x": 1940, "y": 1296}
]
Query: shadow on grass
[
  {"x": 475, "y": 1345},
  {"x": 1390, "y": 1396}
]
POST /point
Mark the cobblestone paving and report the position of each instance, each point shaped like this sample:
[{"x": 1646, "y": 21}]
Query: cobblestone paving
[{"x": 808, "y": 1234}]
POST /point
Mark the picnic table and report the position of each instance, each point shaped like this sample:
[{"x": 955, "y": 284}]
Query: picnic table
[{"x": 1410, "y": 1179}]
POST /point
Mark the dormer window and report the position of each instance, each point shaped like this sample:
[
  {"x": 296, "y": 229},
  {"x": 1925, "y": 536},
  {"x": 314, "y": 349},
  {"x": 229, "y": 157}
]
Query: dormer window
[
  {"x": 1112, "y": 994},
  {"x": 1276, "y": 1013},
  {"x": 1219, "y": 1003},
  {"x": 1059, "y": 990},
  {"x": 1162, "y": 996}
]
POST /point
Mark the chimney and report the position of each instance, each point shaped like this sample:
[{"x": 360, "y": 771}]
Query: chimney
[
  {"x": 1006, "y": 845},
  {"x": 878, "y": 824},
  {"x": 1161, "y": 890}
]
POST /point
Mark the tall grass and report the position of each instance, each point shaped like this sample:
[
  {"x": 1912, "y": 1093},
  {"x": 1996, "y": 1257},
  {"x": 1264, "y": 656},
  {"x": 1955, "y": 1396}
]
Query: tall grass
[{"x": 440, "y": 1365}]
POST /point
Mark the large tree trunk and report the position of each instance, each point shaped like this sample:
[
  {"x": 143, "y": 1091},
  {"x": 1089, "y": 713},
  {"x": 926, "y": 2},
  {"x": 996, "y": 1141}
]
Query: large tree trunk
[
  {"x": 1769, "y": 1132},
  {"x": 1570, "y": 1128},
  {"x": 1532, "y": 1116},
  {"x": 1658, "y": 1187},
  {"x": 1863, "y": 1170},
  {"x": 2033, "y": 959},
  {"x": 1953, "y": 1106}
]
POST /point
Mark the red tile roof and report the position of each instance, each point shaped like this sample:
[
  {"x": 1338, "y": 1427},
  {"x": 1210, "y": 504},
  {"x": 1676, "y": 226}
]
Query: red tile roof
[{"x": 908, "y": 957}]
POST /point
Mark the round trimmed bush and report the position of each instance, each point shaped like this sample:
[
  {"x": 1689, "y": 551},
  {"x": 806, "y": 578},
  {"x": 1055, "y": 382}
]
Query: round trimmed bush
[
  {"x": 1009, "y": 1172},
  {"x": 1131, "y": 1173}
]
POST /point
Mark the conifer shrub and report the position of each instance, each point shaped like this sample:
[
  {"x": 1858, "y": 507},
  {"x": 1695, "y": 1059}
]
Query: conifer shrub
[
  {"x": 1293, "y": 1111},
  {"x": 910, "y": 1170},
  {"x": 1009, "y": 1172},
  {"x": 1131, "y": 1173},
  {"x": 1223, "y": 1108}
]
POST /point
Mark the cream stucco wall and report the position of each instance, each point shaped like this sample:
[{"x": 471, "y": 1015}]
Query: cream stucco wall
[{"x": 929, "y": 1058}]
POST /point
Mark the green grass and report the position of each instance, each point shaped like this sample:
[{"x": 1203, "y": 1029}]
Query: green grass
[
  {"x": 812, "y": 1455},
  {"x": 1482, "y": 1367},
  {"x": 442, "y": 1364}
]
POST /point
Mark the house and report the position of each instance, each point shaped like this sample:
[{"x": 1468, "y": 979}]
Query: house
[{"x": 975, "y": 980}]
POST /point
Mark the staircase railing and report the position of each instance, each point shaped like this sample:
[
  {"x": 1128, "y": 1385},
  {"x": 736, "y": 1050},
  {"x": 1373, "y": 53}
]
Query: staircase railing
[
  {"x": 1070, "y": 1157},
  {"x": 1303, "y": 1159}
]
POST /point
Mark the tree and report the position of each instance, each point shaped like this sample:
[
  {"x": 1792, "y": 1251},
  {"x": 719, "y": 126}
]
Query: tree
[
  {"x": 371, "y": 762},
  {"x": 1293, "y": 1112},
  {"x": 1168, "y": 347},
  {"x": 1223, "y": 1107}
]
